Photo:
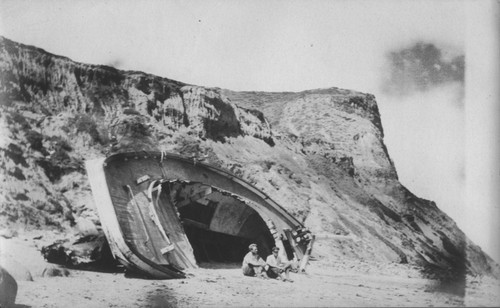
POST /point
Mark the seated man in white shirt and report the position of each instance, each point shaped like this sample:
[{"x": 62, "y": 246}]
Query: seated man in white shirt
[
  {"x": 253, "y": 264},
  {"x": 277, "y": 268}
]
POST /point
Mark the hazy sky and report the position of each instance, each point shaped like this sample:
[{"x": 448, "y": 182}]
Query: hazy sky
[{"x": 443, "y": 151}]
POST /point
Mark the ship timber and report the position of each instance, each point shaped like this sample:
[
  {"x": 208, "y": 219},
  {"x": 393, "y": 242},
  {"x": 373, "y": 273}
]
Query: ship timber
[{"x": 163, "y": 214}]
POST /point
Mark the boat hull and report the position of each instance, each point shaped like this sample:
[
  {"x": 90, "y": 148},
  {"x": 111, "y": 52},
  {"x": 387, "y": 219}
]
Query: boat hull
[{"x": 163, "y": 213}]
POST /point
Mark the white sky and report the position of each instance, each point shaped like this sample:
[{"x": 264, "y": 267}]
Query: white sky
[{"x": 298, "y": 45}]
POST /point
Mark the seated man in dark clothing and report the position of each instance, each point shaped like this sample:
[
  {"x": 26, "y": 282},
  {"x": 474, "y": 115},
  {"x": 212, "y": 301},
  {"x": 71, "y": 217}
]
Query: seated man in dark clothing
[
  {"x": 277, "y": 268},
  {"x": 253, "y": 264}
]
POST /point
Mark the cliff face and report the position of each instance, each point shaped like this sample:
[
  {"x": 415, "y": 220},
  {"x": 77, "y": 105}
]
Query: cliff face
[{"x": 319, "y": 153}]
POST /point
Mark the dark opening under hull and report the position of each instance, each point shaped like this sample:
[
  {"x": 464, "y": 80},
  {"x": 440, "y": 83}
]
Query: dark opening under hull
[{"x": 163, "y": 214}]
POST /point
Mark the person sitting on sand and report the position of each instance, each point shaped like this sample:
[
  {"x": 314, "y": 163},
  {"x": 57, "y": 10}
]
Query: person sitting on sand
[
  {"x": 276, "y": 268},
  {"x": 253, "y": 264}
]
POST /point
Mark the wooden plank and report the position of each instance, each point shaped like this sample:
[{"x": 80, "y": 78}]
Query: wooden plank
[
  {"x": 195, "y": 224},
  {"x": 144, "y": 236},
  {"x": 294, "y": 244},
  {"x": 182, "y": 255},
  {"x": 105, "y": 208},
  {"x": 156, "y": 241},
  {"x": 205, "y": 193}
]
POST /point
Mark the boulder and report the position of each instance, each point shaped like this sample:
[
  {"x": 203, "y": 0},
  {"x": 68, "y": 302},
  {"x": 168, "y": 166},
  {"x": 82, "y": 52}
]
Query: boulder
[
  {"x": 55, "y": 271},
  {"x": 8, "y": 289},
  {"x": 87, "y": 252}
]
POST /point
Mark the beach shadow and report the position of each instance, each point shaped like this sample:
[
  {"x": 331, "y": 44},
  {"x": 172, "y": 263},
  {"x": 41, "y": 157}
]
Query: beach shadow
[
  {"x": 99, "y": 268},
  {"x": 220, "y": 265}
]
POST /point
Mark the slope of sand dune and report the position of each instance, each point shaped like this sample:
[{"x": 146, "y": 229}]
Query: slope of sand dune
[{"x": 347, "y": 283}]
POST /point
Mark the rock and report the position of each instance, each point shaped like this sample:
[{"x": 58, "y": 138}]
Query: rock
[
  {"x": 16, "y": 269},
  {"x": 85, "y": 226},
  {"x": 55, "y": 271},
  {"x": 8, "y": 233},
  {"x": 89, "y": 252},
  {"x": 213, "y": 116},
  {"x": 8, "y": 289}
]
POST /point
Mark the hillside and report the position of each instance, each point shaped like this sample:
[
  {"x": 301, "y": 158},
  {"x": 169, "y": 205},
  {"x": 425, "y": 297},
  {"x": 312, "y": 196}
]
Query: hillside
[{"x": 319, "y": 153}]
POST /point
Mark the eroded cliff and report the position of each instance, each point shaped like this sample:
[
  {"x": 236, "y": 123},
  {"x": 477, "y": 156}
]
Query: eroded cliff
[{"x": 319, "y": 153}]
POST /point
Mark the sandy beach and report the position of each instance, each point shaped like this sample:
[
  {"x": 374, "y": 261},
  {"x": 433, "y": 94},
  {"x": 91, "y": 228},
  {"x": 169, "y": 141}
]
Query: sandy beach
[{"x": 326, "y": 284}]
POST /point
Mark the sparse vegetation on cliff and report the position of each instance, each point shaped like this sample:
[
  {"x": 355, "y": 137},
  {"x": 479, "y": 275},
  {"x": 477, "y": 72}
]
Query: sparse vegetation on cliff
[{"x": 319, "y": 153}]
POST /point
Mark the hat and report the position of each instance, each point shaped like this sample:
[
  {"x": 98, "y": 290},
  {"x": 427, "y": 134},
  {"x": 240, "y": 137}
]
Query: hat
[{"x": 275, "y": 249}]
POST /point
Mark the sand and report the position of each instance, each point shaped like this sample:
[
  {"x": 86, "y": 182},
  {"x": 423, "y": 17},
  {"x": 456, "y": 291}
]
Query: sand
[{"x": 342, "y": 283}]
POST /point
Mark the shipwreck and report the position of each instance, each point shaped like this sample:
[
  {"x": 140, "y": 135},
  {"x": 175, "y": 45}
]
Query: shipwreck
[{"x": 164, "y": 214}]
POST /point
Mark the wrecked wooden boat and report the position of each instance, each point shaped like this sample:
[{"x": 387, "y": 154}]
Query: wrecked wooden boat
[{"x": 164, "y": 214}]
